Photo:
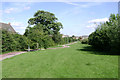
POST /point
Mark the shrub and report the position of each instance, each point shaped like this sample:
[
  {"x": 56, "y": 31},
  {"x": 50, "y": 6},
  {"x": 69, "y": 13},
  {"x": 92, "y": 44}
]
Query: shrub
[
  {"x": 84, "y": 41},
  {"x": 13, "y": 42},
  {"x": 106, "y": 36}
]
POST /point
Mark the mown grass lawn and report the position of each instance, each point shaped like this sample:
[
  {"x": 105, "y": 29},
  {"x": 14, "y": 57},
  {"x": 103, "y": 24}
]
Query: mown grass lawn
[{"x": 73, "y": 62}]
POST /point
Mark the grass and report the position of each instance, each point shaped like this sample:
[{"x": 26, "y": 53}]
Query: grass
[{"x": 72, "y": 62}]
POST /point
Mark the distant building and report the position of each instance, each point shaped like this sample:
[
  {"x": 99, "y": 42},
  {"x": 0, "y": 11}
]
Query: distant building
[
  {"x": 65, "y": 36},
  {"x": 76, "y": 37},
  {"x": 7, "y": 27},
  {"x": 84, "y": 37}
]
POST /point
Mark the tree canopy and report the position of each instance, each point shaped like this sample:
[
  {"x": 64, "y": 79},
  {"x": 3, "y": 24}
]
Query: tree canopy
[
  {"x": 47, "y": 20},
  {"x": 107, "y": 35},
  {"x": 44, "y": 29}
]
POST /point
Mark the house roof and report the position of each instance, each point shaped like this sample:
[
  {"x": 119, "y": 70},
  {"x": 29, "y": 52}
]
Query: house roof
[
  {"x": 85, "y": 36},
  {"x": 7, "y": 27}
]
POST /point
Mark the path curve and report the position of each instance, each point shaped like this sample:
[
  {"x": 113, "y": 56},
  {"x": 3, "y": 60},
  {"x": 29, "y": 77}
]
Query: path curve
[
  {"x": 64, "y": 46},
  {"x": 11, "y": 54}
]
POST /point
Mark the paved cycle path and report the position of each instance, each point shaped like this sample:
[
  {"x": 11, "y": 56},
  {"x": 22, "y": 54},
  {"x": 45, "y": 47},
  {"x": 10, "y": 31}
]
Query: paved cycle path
[{"x": 11, "y": 54}]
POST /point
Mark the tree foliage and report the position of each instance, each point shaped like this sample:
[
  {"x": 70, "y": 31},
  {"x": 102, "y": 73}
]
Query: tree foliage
[
  {"x": 12, "y": 42},
  {"x": 42, "y": 32},
  {"x": 47, "y": 20},
  {"x": 106, "y": 36},
  {"x": 44, "y": 29}
]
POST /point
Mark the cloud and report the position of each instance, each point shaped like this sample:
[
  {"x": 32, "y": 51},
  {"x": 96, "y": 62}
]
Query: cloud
[
  {"x": 17, "y": 7},
  {"x": 0, "y": 12},
  {"x": 71, "y": 12},
  {"x": 9, "y": 10},
  {"x": 22, "y": 3},
  {"x": 71, "y": 3},
  {"x": 9, "y": 19},
  {"x": 0, "y": 19},
  {"x": 60, "y": 0},
  {"x": 92, "y": 26},
  {"x": 83, "y": 5},
  {"x": 18, "y": 25},
  {"x": 27, "y": 8},
  {"x": 98, "y": 20},
  {"x": 0, "y": 15},
  {"x": 20, "y": 28},
  {"x": 91, "y": 4}
]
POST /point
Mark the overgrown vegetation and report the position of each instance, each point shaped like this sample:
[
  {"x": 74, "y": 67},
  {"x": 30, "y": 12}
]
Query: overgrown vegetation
[
  {"x": 84, "y": 41},
  {"x": 13, "y": 42},
  {"x": 42, "y": 32},
  {"x": 107, "y": 35}
]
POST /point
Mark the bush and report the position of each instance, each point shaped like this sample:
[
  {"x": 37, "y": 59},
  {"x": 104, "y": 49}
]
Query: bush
[
  {"x": 13, "y": 42},
  {"x": 84, "y": 41},
  {"x": 106, "y": 36}
]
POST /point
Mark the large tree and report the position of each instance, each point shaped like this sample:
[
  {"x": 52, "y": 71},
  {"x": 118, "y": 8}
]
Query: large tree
[
  {"x": 48, "y": 21},
  {"x": 43, "y": 29}
]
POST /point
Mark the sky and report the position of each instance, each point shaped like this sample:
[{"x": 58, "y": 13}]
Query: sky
[{"x": 78, "y": 18}]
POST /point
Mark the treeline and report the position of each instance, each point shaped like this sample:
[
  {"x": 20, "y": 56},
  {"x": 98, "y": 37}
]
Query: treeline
[
  {"x": 17, "y": 42},
  {"x": 106, "y": 37},
  {"x": 42, "y": 32},
  {"x": 43, "y": 29},
  {"x": 13, "y": 42}
]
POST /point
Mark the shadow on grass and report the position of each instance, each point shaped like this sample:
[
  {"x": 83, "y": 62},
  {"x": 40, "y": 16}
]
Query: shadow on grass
[{"x": 98, "y": 52}]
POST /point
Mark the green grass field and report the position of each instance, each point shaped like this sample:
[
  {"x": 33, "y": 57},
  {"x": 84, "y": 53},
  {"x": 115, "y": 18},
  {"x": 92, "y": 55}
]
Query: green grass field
[{"x": 77, "y": 61}]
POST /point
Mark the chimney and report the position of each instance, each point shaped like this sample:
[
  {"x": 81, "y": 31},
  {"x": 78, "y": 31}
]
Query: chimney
[{"x": 9, "y": 23}]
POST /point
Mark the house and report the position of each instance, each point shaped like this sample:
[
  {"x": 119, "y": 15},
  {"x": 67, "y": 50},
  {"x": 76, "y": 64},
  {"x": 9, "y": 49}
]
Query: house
[
  {"x": 7, "y": 27},
  {"x": 65, "y": 36},
  {"x": 76, "y": 37},
  {"x": 84, "y": 37}
]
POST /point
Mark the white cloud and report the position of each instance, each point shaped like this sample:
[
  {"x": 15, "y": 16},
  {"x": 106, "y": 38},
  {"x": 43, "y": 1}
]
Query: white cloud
[
  {"x": 26, "y": 8},
  {"x": 0, "y": 19},
  {"x": 17, "y": 7},
  {"x": 18, "y": 25},
  {"x": 0, "y": 12},
  {"x": 92, "y": 26},
  {"x": 71, "y": 12},
  {"x": 91, "y": 4},
  {"x": 0, "y": 15},
  {"x": 84, "y": 5},
  {"x": 83, "y": 0},
  {"x": 9, "y": 19},
  {"x": 22, "y": 3},
  {"x": 98, "y": 20},
  {"x": 9, "y": 10},
  {"x": 71, "y": 3},
  {"x": 60, "y": 0},
  {"x": 20, "y": 28}
]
